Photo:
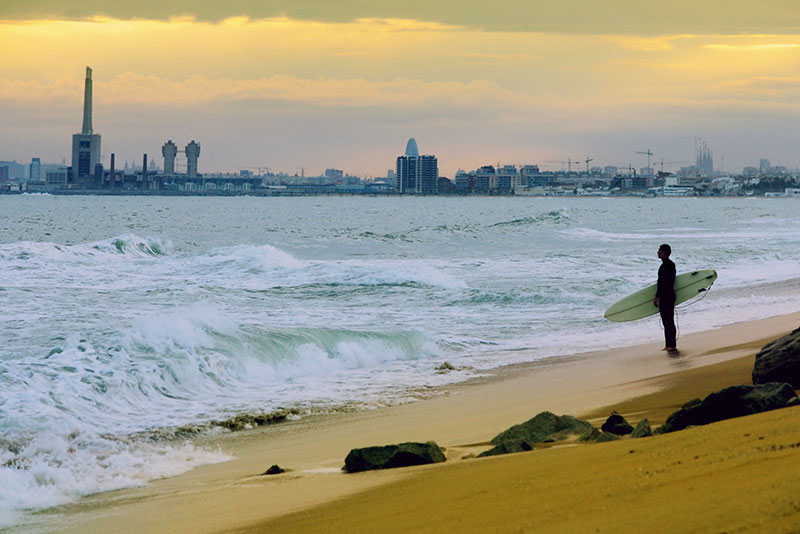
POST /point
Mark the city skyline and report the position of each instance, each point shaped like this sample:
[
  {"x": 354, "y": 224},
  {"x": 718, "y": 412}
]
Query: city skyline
[{"x": 313, "y": 87}]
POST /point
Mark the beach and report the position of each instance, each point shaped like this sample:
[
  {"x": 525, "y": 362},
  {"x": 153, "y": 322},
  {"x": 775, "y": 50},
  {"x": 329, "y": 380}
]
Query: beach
[{"x": 736, "y": 475}]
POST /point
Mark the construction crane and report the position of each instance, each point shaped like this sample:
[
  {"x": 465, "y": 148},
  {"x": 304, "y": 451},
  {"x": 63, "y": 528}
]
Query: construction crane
[
  {"x": 649, "y": 153},
  {"x": 587, "y": 164},
  {"x": 569, "y": 163}
]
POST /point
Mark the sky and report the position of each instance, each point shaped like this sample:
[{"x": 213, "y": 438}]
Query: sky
[{"x": 301, "y": 86}]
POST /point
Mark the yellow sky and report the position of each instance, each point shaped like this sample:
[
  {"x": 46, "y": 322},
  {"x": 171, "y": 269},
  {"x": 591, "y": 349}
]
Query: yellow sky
[{"x": 363, "y": 86}]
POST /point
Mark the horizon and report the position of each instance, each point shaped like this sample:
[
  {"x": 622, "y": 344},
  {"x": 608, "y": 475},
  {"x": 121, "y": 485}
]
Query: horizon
[{"x": 294, "y": 86}]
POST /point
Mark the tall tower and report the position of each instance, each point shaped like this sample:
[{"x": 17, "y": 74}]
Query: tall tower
[
  {"x": 415, "y": 173},
  {"x": 168, "y": 151},
  {"x": 192, "y": 153},
  {"x": 85, "y": 145}
]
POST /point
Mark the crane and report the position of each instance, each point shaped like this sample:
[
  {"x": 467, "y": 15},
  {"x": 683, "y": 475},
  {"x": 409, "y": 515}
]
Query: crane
[
  {"x": 649, "y": 153},
  {"x": 569, "y": 163},
  {"x": 587, "y": 164}
]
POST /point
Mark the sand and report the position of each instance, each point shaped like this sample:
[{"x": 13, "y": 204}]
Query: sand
[{"x": 739, "y": 475}]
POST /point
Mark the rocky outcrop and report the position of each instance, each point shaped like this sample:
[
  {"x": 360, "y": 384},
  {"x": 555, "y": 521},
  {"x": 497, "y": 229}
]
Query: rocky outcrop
[
  {"x": 779, "y": 361},
  {"x": 616, "y": 424},
  {"x": 507, "y": 447},
  {"x": 642, "y": 430},
  {"x": 734, "y": 401},
  {"x": 607, "y": 436},
  {"x": 544, "y": 428},
  {"x": 390, "y": 456}
]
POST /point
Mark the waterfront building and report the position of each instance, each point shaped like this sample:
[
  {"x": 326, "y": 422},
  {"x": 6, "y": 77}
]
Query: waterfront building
[
  {"x": 36, "y": 170},
  {"x": 192, "y": 153},
  {"x": 334, "y": 175},
  {"x": 85, "y": 145},
  {"x": 169, "y": 151},
  {"x": 417, "y": 174}
]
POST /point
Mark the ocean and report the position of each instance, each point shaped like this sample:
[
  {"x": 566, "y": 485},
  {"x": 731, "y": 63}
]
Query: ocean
[{"x": 126, "y": 318}]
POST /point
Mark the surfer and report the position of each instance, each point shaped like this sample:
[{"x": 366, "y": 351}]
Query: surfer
[{"x": 665, "y": 296}]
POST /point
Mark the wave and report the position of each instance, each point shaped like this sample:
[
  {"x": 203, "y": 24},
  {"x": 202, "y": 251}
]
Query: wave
[
  {"x": 126, "y": 245},
  {"x": 553, "y": 217},
  {"x": 107, "y": 395}
]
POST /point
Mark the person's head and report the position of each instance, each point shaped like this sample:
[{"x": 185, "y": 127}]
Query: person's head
[{"x": 664, "y": 251}]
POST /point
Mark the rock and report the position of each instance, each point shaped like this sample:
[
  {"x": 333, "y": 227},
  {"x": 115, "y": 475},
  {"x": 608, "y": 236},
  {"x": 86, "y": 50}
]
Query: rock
[
  {"x": 607, "y": 436},
  {"x": 544, "y": 428},
  {"x": 274, "y": 470},
  {"x": 642, "y": 430},
  {"x": 390, "y": 456},
  {"x": 734, "y": 401},
  {"x": 616, "y": 424},
  {"x": 779, "y": 361},
  {"x": 446, "y": 366},
  {"x": 507, "y": 447}
]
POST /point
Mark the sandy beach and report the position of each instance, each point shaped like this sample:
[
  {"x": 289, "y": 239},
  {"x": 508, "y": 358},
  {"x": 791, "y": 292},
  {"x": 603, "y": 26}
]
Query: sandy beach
[{"x": 738, "y": 475}]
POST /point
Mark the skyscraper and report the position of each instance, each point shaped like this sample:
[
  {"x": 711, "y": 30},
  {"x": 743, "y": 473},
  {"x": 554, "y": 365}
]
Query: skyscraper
[
  {"x": 415, "y": 173},
  {"x": 36, "y": 169},
  {"x": 85, "y": 145}
]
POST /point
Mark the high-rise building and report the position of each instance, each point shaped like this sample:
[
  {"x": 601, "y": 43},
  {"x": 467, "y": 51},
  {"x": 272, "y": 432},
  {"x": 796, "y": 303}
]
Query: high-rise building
[
  {"x": 169, "y": 150},
  {"x": 85, "y": 145},
  {"x": 192, "y": 153},
  {"x": 415, "y": 173},
  {"x": 36, "y": 169},
  {"x": 764, "y": 165}
]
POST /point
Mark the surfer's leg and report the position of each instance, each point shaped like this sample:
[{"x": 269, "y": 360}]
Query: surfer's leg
[{"x": 667, "y": 311}]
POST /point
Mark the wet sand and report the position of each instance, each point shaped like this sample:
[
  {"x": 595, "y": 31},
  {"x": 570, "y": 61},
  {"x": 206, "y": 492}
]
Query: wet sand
[{"x": 738, "y": 474}]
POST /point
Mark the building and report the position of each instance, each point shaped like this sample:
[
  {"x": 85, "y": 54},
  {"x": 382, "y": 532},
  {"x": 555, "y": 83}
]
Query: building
[
  {"x": 334, "y": 175},
  {"x": 192, "y": 153},
  {"x": 36, "y": 170},
  {"x": 417, "y": 174},
  {"x": 85, "y": 145},
  {"x": 169, "y": 151}
]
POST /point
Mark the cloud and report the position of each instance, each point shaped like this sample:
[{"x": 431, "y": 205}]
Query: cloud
[
  {"x": 153, "y": 91},
  {"x": 766, "y": 47},
  {"x": 568, "y": 16}
]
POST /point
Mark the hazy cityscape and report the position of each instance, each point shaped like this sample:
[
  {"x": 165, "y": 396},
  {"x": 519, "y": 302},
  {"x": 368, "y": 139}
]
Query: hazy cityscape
[{"x": 414, "y": 174}]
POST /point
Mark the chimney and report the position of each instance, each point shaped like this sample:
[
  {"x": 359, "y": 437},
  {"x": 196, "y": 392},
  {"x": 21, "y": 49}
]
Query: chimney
[
  {"x": 112, "y": 170},
  {"x": 87, "y": 103},
  {"x": 144, "y": 172}
]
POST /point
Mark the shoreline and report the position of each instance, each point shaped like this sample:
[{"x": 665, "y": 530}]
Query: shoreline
[{"x": 231, "y": 495}]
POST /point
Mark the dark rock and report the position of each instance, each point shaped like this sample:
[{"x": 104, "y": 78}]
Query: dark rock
[
  {"x": 390, "y": 456},
  {"x": 607, "y": 436},
  {"x": 779, "y": 361},
  {"x": 446, "y": 366},
  {"x": 590, "y": 435},
  {"x": 642, "y": 430},
  {"x": 734, "y": 401},
  {"x": 274, "y": 470},
  {"x": 616, "y": 424},
  {"x": 544, "y": 428},
  {"x": 507, "y": 447}
]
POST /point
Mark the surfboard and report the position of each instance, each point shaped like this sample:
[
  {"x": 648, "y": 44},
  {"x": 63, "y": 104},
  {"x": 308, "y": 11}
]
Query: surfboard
[{"x": 640, "y": 304}]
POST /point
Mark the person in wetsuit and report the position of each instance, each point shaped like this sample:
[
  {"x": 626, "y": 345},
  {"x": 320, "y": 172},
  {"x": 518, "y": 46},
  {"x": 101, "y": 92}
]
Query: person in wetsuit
[{"x": 665, "y": 297}]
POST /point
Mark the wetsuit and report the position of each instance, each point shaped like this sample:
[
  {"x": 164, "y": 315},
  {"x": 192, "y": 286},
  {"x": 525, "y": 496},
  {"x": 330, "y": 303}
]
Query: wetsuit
[{"x": 666, "y": 300}]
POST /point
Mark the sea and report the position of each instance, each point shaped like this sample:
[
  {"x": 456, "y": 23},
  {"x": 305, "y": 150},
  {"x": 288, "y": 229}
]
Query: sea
[{"x": 123, "y": 319}]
